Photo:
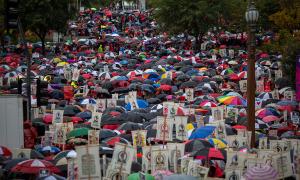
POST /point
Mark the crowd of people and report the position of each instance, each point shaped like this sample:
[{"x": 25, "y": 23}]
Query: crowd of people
[{"x": 118, "y": 73}]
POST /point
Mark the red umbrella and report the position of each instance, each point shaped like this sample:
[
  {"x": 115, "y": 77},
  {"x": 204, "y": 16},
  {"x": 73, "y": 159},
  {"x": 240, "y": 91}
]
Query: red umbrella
[
  {"x": 239, "y": 127},
  {"x": 209, "y": 153},
  {"x": 165, "y": 87},
  {"x": 270, "y": 118},
  {"x": 33, "y": 166},
  {"x": 4, "y": 151}
]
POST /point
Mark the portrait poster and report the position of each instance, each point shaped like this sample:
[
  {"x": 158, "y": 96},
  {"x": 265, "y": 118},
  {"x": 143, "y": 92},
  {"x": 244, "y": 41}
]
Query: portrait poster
[
  {"x": 288, "y": 95},
  {"x": 232, "y": 159},
  {"x": 169, "y": 109},
  {"x": 21, "y": 153},
  {"x": 146, "y": 160},
  {"x": 254, "y": 162},
  {"x": 232, "y": 113},
  {"x": 273, "y": 132},
  {"x": 180, "y": 125},
  {"x": 233, "y": 174},
  {"x": 280, "y": 146},
  {"x": 278, "y": 74},
  {"x": 47, "y": 139},
  {"x": 75, "y": 75},
  {"x": 68, "y": 73},
  {"x": 217, "y": 113},
  {"x": 69, "y": 126},
  {"x": 275, "y": 94},
  {"x": 159, "y": 160},
  {"x": 93, "y": 137},
  {"x": 243, "y": 86},
  {"x": 260, "y": 87},
  {"x": 189, "y": 92},
  {"x": 88, "y": 162},
  {"x": 96, "y": 120},
  {"x": 282, "y": 163},
  {"x": 111, "y": 103},
  {"x": 133, "y": 104},
  {"x": 139, "y": 138},
  {"x": 1, "y": 81},
  {"x": 100, "y": 105},
  {"x": 231, "y": 53},
  {"x": 196, "y": 170},
  {"x": 105, "y": 68},
  {"x": 294, "y": 117},
  {"x": 164, "y": 128},
  {"x": 184, "y": 166},
  {"x": 60, "y": 134},
  {"x": 200, "y": 120},
  {"x": 169, "y": 74},
  {"x": 122, "y": 157},
  {"x": 53, "y": 106},
  {"x": 265, "y": 155},
  {"x": 115, "y": 96},
  {"x": 221, "y": 130},
  {"x": 58, "y": 116},
  {"x": 263, "y": 143},
  {"x": 114, "y": 174},
  {"x": 235, "y": 142},
  {"x": 132, "y": 95},
  {"x": 176, "y": 151}
]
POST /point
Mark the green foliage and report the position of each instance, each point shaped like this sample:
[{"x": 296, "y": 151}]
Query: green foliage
[{"x": 40, "y": 16}]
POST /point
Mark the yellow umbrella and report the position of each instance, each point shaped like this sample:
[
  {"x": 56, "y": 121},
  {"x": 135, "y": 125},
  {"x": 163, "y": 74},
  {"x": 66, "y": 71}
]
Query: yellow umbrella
[
  {"x": 56, "y": 60},
  {"x": 218, "y": 143},
  {"x": 61, "y": 64},
  {"x": 190, "y": 126}
]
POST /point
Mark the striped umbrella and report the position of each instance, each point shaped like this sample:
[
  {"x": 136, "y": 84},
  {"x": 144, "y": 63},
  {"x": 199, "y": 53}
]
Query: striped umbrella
[{"x": 261, "y": 173}]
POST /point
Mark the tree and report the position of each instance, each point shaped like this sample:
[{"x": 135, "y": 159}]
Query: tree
[
  {"x": 41, "y": 16},
  {"x": 194, "y": 17}
]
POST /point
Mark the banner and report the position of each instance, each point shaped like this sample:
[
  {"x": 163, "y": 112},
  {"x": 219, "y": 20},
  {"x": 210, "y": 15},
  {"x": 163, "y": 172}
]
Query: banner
[{"x": 298, "y": 78}]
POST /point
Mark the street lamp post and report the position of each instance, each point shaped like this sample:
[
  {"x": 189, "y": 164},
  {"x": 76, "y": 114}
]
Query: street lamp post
[{"x": 251, "y": 16}]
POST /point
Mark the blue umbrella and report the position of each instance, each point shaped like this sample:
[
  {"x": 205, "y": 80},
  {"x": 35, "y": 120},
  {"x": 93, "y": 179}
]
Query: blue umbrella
[
  {"x": 141, "y": 103},
  {"x": 202, "y": 132},
  {"x": 287, "y": 103},
  {"x": 84, "y": 115},
  {"x": 124, "y": 62},
  {"x": 52, "y": 149},
  {"x": 88, "y": 101}
]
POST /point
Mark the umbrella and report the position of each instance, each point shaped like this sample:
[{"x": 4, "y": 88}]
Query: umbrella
[
  {"x": 137, "y": 176},
  {"x": 270, "y": 118},
  {"x": 129, "y": 126},
  {"x": 207, "y": 103},
  {"x": 4, "y": 151},
  {"x": 33, "y": 166},
  {"x": 88, "y": 101},
  {"x": 7, "y": 165},
  {"x": 148, "y": 88},
  {"x": 261, "y": 172},
  {"x": 112, "y": 141},
  {"x": 265, "y": 95},
  {"x": 219, "y": 143},
  {"x": 140, "y": 103},
  {"x": 261, "y": 113},
  {"x": 52, "y": 149},
  {"x": 60, "y": 155},
  {"x": 202, "y": 132},
  {"x": 196, "y": 144},
  {"x": 232, "y": 100},
  {"x": 210, "y": 153},
  {"x": 78, "y": 133}
]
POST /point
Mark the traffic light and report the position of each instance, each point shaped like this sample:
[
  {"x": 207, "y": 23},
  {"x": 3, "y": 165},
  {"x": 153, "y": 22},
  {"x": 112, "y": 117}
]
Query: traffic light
[
  {"x": 11, "y": 14},
  {"x": 42, "y": 94}
]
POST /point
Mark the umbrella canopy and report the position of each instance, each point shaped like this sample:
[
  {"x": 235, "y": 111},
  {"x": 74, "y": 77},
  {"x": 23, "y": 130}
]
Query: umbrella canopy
[
  {"x": 137, "y": 176},
  {"x": 232, "y": 100},
  {"x": 4, "y": 151},
  {"x": 33, "y": 166},
  {"x": 202, "y": 132},
  {"x": 196, "y": 144},
  {"x": 261, "y": 172},
  {"x": 79, "y": 132},
  {"x": 218, "y": 143},
  {"x": 209, "y": 153}
]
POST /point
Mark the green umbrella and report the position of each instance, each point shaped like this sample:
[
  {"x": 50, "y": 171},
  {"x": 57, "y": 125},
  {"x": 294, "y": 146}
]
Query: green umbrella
[
  {"x": 78, "y": 133},
  {"x": 136, "y": 176}
]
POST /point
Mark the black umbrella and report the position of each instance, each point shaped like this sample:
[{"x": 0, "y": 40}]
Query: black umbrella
[
  {"x": 71, "y": 110},
  {"x": 57, "y": 94},
  {"x": 9, "y": 164},
  {"x": 107, "y": 133},
  {"x": 197, "y": 144},
  {"x": 148, "y": 88},
  {"x": 130, "y": 126},
  {"x": 153, "y": 101},
  {"x": 188, "y": 84},
  {"x": 166, "y": 81}
]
